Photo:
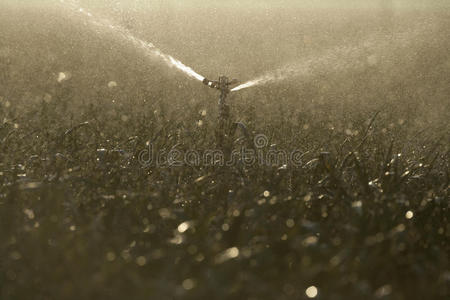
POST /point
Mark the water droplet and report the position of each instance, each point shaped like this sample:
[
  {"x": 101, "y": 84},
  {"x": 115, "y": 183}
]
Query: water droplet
[
  {"x": 29, "y": 213},
  {"x": 183, "y": 227},
  {"x": 290, "y": 223},
  {"x": 307, "y": 198},
  {"x": 188, "y": 284},
  {"x": 110, "y": 256},
  {"x": 112, "y": 84},
  {"x": 311, "y": 292},
  {"x": 228, "y": 254},
  {"x": 311, "y": 240},
  {"x": 61, "y": 77},
  {"x": 225, "y": 227},
  {"x": 141, "y": 261},
  {"x": 356, "y": 204},
  {"x": 383, "y": 291},
  {"x": 409, "y": 214}
]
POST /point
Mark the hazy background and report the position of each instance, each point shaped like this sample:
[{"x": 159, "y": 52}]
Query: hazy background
[{"x": 346, "y": 57}]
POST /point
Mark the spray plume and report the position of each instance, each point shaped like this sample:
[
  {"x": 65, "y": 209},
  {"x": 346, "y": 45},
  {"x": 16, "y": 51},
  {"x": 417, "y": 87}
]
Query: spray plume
[
  {"x": 148, "y": 48},
  {"x": 341, "y": 58},
  {"x": 338, "y": 59},
  {"x": 330, "y": 59}
]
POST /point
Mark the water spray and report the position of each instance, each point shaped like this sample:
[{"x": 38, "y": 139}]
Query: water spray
[
  {"x": 355, "y": 56},
  {"x": 148, "y": 48},
  {"x": 223, "y": 84},
  {"x": 335, "y": 59},
  {"x": 332, "y": 60}
]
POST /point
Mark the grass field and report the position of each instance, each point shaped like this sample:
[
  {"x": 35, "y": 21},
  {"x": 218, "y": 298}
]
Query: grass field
[{"x": 363, "y": 215}]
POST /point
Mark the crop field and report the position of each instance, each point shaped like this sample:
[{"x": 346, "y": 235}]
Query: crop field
[{"x": 117, "y": 180}]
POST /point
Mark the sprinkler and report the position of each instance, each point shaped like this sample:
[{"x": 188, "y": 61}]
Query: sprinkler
[
  {"x": 225, "y": 127},
  {"x": 223, "y": 84}
]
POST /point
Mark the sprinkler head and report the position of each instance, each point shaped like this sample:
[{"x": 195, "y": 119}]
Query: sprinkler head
[{"x": 222, "y": 84}]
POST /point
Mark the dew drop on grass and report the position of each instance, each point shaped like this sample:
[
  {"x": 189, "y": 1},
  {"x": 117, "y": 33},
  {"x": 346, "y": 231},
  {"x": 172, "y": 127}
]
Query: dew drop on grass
[
  {"x": 112, "y": 84},
  {"x": 357, "y": 204},
  {"x": 141, "y": 261},
  {"x": 183, "y": 227},
  {"x": 29, "y": 213},
  {"x": 383, "y": 291},
  {"x": 311, "y": 292},
  {"x": 290, "y": 223},
  {"x": 188, "y": 284},
  {"x": 200, "y": 257},
  {"x": 409, "y": 215},
  {"x": 226, "y": 255},
  {"x": 61, "y": 77},
  {"x": 400, "y": 228},
  {"x": 110, "y": 256},
  {"x": 310, "y": 241},
  {"x": 307, "y": 197},
  {"x": 164, "y": 213}
]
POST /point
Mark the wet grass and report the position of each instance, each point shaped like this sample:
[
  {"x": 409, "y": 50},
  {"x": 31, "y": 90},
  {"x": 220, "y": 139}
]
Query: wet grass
[{"x": 363, "y": 216}]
